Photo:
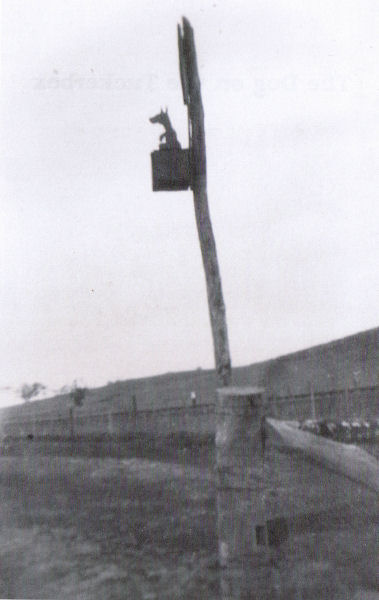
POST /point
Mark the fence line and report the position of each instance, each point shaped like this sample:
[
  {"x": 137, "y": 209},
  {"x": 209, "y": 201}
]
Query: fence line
[{"x": 336, "y": 403}]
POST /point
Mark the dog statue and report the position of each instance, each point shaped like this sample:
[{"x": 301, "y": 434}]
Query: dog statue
[{"x": 169, "y": 134}]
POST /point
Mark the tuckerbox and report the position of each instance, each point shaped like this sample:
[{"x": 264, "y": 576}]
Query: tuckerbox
[{"x": 171, "y": 169}]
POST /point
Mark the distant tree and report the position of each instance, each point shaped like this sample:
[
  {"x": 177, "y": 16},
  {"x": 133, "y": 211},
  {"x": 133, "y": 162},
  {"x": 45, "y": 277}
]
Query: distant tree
[
  {"x": 78, "y": 395},
  {"x": 28, "y": 391}
]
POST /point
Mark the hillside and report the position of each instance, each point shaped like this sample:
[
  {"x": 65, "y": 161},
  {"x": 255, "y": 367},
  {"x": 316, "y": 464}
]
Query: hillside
[{"x": 350, "y": 362}]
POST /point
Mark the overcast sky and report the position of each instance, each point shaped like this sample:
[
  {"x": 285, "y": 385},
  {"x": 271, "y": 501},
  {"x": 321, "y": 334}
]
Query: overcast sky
[{"x": 102, "y": 279}]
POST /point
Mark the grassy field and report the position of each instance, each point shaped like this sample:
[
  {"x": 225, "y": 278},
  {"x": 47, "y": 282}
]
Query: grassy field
[
  {"x": 139, "y": 528},
  {"x": 105, "y": 528}
]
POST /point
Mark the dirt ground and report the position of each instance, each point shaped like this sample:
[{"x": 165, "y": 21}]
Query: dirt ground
[{"x": 105, "y": 528}]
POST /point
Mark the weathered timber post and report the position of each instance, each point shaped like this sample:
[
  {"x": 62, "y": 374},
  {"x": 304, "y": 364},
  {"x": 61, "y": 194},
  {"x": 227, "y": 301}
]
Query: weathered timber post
[
  {"x": 241, "y": 508},
  {"x": 192, "y": 98},
  {"x": 177, "y": 169}
]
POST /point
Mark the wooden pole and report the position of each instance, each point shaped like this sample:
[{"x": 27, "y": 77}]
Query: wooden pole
[{"x": 192, "y": 97}]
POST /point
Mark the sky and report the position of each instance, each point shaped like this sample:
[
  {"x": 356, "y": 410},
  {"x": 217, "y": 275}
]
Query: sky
[{"x": 102, "y": 279}]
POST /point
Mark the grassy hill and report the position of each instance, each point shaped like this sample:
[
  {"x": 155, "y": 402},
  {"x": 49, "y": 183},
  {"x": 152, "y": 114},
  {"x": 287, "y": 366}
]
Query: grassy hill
[{"x": 349, "y": 362}]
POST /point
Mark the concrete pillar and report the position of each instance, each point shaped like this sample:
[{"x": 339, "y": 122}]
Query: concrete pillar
[{"x": 240, "y": 441}]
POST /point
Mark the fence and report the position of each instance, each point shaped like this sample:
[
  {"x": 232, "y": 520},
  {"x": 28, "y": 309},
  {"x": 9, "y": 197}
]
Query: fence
[
  {"x": 197, "y": 420},
  {"x": 288, "y": 528},
  {"x": 334, "y": 404},
  {"x": 297, "y": 514},
  {"x": 194, "y": 420}
]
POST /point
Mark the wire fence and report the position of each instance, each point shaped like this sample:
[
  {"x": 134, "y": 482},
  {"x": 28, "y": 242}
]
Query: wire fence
[{"x": 196, "y": 420}]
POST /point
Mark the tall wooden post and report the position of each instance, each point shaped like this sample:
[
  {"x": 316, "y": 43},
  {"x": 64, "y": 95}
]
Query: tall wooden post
[{"x": 192, "y": 98}]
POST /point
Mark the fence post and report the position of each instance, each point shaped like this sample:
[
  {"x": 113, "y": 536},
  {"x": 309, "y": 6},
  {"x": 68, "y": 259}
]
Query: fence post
[
  {"x": 347, "y": 402},
  {"x": 240, "y": 444},
  {"x": 110, "y": 423},
  {"x": 71, "y": 419},
  {"x": 313, "y": 406}
]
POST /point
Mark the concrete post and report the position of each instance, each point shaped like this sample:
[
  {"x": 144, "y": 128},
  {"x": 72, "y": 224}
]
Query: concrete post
[{"x": 241, "y": 503}]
